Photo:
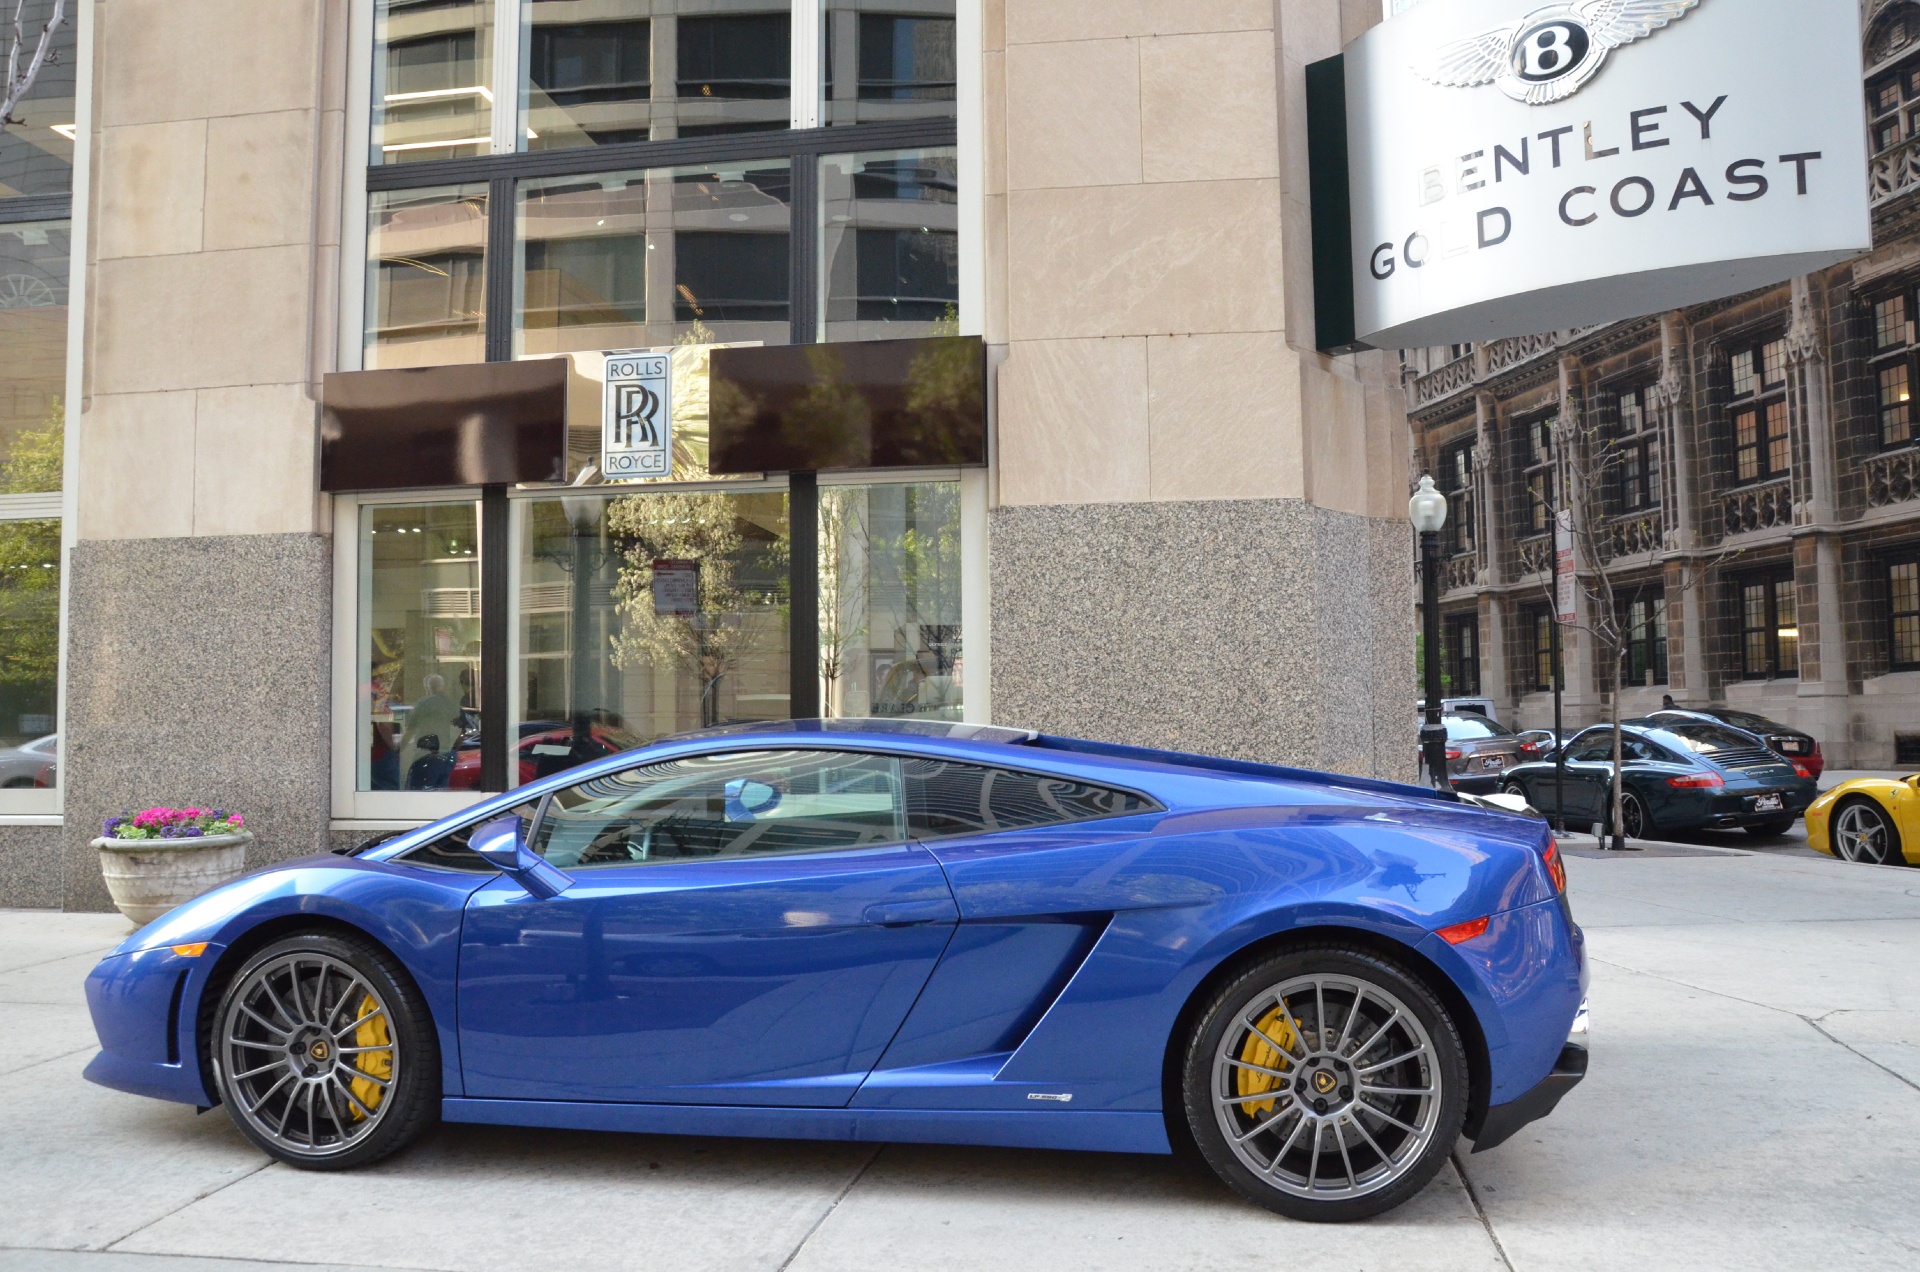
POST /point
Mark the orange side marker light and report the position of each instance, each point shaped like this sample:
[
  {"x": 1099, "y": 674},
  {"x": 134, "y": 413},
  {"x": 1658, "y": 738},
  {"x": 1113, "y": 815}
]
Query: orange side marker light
[
  {"x": 1460, "y": 933},
  {"x": 191, "y": 951}
]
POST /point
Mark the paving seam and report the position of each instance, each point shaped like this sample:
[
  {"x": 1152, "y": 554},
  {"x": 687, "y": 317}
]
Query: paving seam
[
  {"x": 108, "y": 1247},
  {"x": 1486, "y": 1220},
  {"x": 1784, "y": 1011},
  {"x": 1818, "y": 1028},
  {"x": 127, "y": 1256},
  {"x": 35, "y": 1064},
  {"x": 858, "y": 1175}
]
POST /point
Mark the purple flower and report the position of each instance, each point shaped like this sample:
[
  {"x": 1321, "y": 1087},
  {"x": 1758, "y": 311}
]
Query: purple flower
[
  {"x": 192, "y": 832},
  {"x": 113, "y": 824}
]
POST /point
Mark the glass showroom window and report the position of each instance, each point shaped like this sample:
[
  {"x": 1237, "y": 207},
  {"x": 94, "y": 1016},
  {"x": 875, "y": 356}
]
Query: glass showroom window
[
  {"x": 890, "y": 245},
  {"x": 432, "y": 79},
  {"x": 427, "y": 277},
  {"x": 641, "y": 259},
  {"x": 888, "y": 59},
  {"x": 419, "y": 647},
  {"x": 645, "y": 613},
  {"x": 647, "y": 195}
]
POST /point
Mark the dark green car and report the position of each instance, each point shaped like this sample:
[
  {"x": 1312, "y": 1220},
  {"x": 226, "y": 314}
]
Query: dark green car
[{"x": 1690, "y": 775}]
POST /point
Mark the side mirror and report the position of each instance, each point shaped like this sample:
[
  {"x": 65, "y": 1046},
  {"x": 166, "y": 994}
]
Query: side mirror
[
  {"x": 748, "y": 799},
  {"x": 502, "y": 843}
]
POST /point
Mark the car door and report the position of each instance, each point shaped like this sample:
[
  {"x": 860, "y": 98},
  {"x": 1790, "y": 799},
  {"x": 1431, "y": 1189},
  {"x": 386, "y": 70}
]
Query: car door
[
  {"x": 744, "y": 928},
  {"x": 1589, "y": 776}
]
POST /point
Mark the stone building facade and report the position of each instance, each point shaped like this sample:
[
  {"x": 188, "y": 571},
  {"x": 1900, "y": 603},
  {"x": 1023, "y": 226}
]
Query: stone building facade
[{"x": 1765, "y": 525}]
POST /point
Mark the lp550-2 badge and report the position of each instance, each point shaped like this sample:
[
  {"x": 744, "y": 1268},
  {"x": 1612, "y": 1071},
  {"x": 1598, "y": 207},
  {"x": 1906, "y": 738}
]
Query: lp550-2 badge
[
  {"x": 636, "y": 417},
  {"x": 1550, "y": 54}
]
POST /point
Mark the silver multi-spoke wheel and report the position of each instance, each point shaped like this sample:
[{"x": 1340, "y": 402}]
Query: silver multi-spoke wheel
[
  {"x": 309, "y": 1054},
  {"x": 1862, "y": 833},
  {"x": 1327, "y": 1087}
]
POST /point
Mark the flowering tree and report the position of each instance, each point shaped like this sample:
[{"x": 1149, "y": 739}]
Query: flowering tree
[{"x": 20, "y": 78}]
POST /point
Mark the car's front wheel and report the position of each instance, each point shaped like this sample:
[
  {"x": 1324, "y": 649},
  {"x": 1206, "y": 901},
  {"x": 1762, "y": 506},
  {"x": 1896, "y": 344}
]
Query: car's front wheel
[
  {"x": 1863, "y": 832},
  {"x": 324, "y": 1052},
  {"x": 1325, "y": 1083}
]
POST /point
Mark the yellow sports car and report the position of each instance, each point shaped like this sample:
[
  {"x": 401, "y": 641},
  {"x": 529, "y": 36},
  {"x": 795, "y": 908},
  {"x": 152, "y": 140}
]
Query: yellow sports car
[{"x": 1875, "y": 820}]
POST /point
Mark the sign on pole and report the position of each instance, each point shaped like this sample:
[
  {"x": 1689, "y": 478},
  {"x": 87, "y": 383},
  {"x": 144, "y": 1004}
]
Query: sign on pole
[
  {"x": 1565, "y": 578},
  {"x": 636, "y": 415},
  {"x": 1518, "y": 166}
]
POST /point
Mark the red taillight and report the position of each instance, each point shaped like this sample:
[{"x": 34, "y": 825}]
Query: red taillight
[
  {"x": 1696, "y": 781},
  {"x": 1802, "y": 770},
  {"x": 1556, "y": 868},
  {"x": 1462, "y": 932},
  {"x": 1454, "y": 755}
]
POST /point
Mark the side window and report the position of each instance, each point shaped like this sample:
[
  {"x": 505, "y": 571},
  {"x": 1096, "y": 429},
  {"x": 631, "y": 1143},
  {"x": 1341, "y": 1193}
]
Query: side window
[
  {"x": 1598, "y": 748},
  {"x": 1636, "y": 749},
  {"x": 741, "y": 804},
  {"x": 450, "y": 851},
  {"x": 949, "y": 798}
]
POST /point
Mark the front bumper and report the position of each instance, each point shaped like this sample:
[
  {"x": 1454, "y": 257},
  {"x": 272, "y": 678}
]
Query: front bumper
[{"x": 1503, "y": 1121}]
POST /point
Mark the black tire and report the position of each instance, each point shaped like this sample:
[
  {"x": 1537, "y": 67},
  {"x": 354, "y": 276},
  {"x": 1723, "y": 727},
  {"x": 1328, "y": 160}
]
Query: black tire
[
  {"x": 1635, "y": 820},
  {"x": 383, "y": 1014},
  {"x": 1401, "y": 1164},
  {"x": 1516, "y": 787},
  {"x": 1778, "y": 826},
  {"x": 1871, "y": 849}
]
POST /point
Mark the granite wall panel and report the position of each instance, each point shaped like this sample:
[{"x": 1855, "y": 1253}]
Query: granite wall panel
[
  {"x": 30, "y": 867},
  {"x": 198, "y": 670},
  {"x": 1261, "y": 629}
]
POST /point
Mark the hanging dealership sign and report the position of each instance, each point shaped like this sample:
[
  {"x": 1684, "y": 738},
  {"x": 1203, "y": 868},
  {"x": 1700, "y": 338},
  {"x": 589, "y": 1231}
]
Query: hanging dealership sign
[
  {"x": 636, "y": 415},
  {"x": 1488, "y": 168},
  {"x": 1565, "y": 575}
]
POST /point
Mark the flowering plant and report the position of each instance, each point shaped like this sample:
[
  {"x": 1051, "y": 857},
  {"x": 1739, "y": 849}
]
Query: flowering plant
[{"x": 175, "y": 823}]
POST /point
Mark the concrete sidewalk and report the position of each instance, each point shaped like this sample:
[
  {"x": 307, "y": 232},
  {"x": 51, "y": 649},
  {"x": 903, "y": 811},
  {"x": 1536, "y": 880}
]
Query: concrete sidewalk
[{"x": 1754, "y": 1101}]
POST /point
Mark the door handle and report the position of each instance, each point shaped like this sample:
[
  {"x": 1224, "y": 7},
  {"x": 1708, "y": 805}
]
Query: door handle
[{"x": 911, "y": 913}]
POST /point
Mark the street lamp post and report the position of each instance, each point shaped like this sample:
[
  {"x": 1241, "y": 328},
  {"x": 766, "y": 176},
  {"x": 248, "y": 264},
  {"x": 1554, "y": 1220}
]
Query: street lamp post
[{"x": 1428, "y": 510}]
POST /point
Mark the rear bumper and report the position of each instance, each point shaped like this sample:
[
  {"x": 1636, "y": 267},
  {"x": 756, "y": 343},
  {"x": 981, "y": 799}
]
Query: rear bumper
[{"x": 1502, "y": 1121}]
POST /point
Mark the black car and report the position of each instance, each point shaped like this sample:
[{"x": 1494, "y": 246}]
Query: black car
[
  {"x": 1675, "y": 775},
  {"x": 1796, "y": 745}
]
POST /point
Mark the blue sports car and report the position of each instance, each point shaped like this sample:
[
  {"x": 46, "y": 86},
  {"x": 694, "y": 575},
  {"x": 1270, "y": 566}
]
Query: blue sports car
[{"x": 893, "y": 931}]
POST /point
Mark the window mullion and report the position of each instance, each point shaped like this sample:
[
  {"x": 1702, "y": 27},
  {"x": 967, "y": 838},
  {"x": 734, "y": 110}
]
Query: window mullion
[
  {"x": 508, "y": 26},
  {"x": 502, "y": 276},
  {"x": 807, "y": 76}
]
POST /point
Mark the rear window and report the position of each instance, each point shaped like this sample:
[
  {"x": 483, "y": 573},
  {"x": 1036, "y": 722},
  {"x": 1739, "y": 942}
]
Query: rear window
[
  {"x": 1709, "y": 739},
  {"x": 1744, "y": 720},
  {"x": 1474, "y": 729}
]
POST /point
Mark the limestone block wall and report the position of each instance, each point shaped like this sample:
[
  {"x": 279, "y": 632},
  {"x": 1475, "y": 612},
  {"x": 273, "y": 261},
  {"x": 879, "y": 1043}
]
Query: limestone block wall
[{"x": 1200, "y": 532}]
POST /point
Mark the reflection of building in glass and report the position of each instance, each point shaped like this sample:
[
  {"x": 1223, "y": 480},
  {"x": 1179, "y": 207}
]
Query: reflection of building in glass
[
  {"x": 1777, "y": 426},
  {"x": 890, "y": 242},
  {"x": 36, "y": 151}
]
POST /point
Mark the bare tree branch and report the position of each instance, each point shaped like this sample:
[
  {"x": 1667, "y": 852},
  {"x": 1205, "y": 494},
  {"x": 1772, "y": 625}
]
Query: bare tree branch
[{"x": 19, "y": 82}]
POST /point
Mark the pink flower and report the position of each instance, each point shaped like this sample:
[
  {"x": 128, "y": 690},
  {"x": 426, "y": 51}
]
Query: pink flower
[{"x": 237, "y": 820}]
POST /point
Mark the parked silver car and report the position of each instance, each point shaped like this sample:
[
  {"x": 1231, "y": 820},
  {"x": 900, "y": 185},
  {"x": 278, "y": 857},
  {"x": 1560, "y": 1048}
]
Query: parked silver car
[
  {"x": 32, "y": 765},
  {"x": 1479, "y": 752}
]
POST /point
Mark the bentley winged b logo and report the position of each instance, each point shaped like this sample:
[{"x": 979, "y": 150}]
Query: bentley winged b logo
[{"x": 1550, "y": 54}]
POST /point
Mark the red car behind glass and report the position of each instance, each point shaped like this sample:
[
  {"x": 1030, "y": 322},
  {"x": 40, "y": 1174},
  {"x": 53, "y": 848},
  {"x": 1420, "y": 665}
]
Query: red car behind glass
[{"x": 546, "y": 747}]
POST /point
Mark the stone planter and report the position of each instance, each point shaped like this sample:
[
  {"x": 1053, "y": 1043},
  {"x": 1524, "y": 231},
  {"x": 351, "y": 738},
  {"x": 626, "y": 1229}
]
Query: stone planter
[{"x": 148, "y": 877}]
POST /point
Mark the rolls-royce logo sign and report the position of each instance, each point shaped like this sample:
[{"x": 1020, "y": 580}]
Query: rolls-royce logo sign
[
  {"x": 1551, "y": 53},
  {"x": 637, "y": 416}
]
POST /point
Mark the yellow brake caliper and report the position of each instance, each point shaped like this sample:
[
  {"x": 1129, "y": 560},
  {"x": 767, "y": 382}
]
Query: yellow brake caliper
[
  {"x": 1265, "y": 1046},
  {"x": 377, "y": 1063}
]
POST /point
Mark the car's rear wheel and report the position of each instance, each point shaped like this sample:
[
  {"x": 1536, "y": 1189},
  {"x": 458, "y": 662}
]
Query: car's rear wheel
[
  {"x": 1515, "y": 788},
  {"x": 1635, "y": 821},
  {"x": 324, "y": 1053},
  {"x": 1325, "y": 1083},
  {"x": 1862, "y": 832}
]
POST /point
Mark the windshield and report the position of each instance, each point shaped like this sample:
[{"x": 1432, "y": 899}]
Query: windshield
[
  {"x": 1709, "y": 739},
  {"x": 1474, "y": 729}
]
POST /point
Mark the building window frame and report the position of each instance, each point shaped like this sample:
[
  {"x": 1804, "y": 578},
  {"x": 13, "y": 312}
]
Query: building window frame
[
  {"x": 1766, "y": 612},
  {"x": 1539, "y": 473},
  {"x": 1902, "y": 632},
  {"x": 1893, "y": 334},
  {"x": 1638, "y": 471},
  {"x": 1460, "y": 650},
  {"x": 1457, "y": 472},
  {"x": 1760, "y": 419},
  {"x": 1643, "y": 649},
  {"x": 1538, "y": 624}
]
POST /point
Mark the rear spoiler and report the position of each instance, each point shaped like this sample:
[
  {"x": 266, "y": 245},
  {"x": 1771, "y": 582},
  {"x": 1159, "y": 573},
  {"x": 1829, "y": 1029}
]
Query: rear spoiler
[{"x": 1239, "y": 768}]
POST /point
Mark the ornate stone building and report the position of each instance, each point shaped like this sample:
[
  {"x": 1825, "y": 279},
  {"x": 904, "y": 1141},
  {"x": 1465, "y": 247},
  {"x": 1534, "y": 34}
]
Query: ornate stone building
[{"x": 1766, "y": 520}]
